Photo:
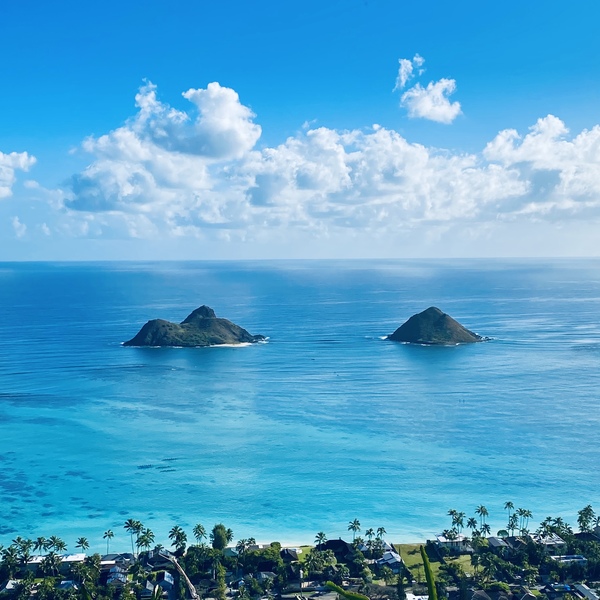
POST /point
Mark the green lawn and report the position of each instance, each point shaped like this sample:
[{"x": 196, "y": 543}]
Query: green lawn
[
  {"x": 412, "y": 559},
  {"x": 305, "y": 551}
]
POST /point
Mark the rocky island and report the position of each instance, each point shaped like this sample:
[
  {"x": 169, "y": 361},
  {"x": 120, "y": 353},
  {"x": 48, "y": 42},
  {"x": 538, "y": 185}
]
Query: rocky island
[
  {"x": 201, "y": 328},
  {"x": 434, "y": 327}
]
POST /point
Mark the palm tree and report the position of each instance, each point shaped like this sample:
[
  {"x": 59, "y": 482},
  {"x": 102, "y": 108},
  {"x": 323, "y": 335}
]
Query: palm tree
[
  {"x": 56, "y": 544},
  {"x": 370, "y": 533},
  {"x": 354, "y": 527},
  {"x": 50, "y": 564},
  {"x": 178, "y": 537},
  {"x": 482, "y": 511},
  {"x": 108, "y": 535},
  {"x": 513, "y": 523},
  {"x": 82, "y": 543},
  {"x": 320, "y": 539},
  {"x": 486, "y": 529},
  {"x": 145, "y": 539},
  {"x": 132, "y": 526},
  {"x": 242, "y": 546},
  {"x": 472, "y": 523},
  {"x": 199, "y": 533},
  {"x": 458, "y": 521},
  {"x": 10, "y": 560},
  {"x": 381, "y": 532},
  {"x": 524, "y": 516},
  {"x": 509, "y": 506},
  {"x": 40, "y": 544},
  {"x": 229, "y": 535}
]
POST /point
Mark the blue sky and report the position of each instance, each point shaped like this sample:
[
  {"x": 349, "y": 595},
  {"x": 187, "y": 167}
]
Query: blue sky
[{"x": 291, "y": 140}]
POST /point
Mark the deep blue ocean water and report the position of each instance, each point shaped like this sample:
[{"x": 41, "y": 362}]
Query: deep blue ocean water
[{"x": 325, "y": 423}]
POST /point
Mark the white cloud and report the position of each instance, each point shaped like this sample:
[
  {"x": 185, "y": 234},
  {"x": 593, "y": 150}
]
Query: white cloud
[
  {"x": 406, "y": 70},
  {"x": 19, "y": 228},
  {"x": 564, "y": 174},
  {"x": 9, "y": 163},
  {"x": 432, "y": 102},
  {"x": 149, "y": 179}
]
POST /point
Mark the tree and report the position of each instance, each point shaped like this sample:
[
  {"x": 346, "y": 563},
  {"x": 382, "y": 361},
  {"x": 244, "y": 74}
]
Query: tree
[
  {"x": 354, "y": 527},
  {"x": 509, "y": 506},
  {"x": 381, "y": 532},
  {"x": 40, "y": 544},
  {"x": 472, "y": 524},
  {"x": 370, "y": 533},
  {"x": 482, "y": 511},
  {"x": 199, "y": 532},
  {"x": 108, "y": 535},
  {"x": 145, "y": 539},
  {"x": 56, "y": 544},
  {"x": 219, "y": 536},
  {"x": 178, "y": 537},
  {"x": 133, "y": 527},
  {"x": 585, "y": 518},
  {"x": 431, "y": 588},
  {"x": 50, "y": 564},
  {"x": 400, "y": 586},
  {"x": 10, "y": 561},
  {"x": 387, "y": 575},
  {"x": 320, "y": 539},
  {"x": 513, "y": 523},
  {"x": 82, "y": 543}
]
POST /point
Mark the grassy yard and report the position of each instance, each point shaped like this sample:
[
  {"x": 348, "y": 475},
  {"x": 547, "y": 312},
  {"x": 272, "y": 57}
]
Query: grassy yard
[
  {"x": 412, "y": 559},
  {"x": 305, "y": 551}
]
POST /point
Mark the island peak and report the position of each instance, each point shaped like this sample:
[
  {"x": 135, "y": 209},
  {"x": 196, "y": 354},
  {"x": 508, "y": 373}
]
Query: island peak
[
  {"x": 434, "y": 327},
  {"x": 201, "y": 327}
]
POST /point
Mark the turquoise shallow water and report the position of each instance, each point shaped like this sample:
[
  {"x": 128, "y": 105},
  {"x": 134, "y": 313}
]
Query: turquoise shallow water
[{"x": 325, "y": 423}]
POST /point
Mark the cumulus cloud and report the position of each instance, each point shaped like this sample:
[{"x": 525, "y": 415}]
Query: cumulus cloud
[
  {"x": 432, "y": 102},
  {"x": 564, "y": 173},
  {"x": 167, "y": 173},
  {"x": 9, "y": 163}
]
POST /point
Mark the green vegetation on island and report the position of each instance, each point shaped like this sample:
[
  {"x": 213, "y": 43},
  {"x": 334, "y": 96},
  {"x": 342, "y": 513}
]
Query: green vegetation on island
[
  {"x": 434, "y": 327},
  {"x": 201, "y": 328}
]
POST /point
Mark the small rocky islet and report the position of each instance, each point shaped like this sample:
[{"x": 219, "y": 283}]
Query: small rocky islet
[
  {"x": 434, "y": 327},
  {"x": 199, "y": 329}
]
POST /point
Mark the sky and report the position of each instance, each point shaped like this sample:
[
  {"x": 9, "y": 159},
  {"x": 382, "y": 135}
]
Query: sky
[{"x": 337, "y": 129}]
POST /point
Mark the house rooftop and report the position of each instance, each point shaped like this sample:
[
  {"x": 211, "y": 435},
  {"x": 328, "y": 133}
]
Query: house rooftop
[{"x": 546, "y": 539}]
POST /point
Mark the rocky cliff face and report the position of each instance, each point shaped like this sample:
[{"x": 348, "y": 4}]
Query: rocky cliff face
[
  {"x": 432, "y": 326},
  {"x": 201, "y": 328}
]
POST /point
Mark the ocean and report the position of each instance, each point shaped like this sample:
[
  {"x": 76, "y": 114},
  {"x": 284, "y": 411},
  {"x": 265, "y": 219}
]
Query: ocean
[{"x": 324, "y": 423}]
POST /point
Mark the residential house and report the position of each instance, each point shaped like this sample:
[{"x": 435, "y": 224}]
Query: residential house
[
  {"x": 392, "y": 560},
  {"x": 550, "y": 542},
  {"x": 459, "y": 542},
  {"x": 498, "y": 546}
]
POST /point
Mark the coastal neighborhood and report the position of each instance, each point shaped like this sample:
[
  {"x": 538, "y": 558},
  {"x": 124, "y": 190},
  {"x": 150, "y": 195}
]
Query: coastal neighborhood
[{"x": 554, "y": 562}]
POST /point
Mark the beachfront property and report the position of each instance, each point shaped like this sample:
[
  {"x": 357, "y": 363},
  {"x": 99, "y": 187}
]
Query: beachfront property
[
  {"x": 552, "y": 543},
  {"x": 66, "y": 562},
  {"x": 459, "y": 542},
  {"x": 392, "y": 560}
]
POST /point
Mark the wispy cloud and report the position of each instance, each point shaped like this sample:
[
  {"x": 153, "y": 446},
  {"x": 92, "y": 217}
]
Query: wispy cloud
[
  {"x": 406, "y": 70},
  {"x": 19, "y": 228}
]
